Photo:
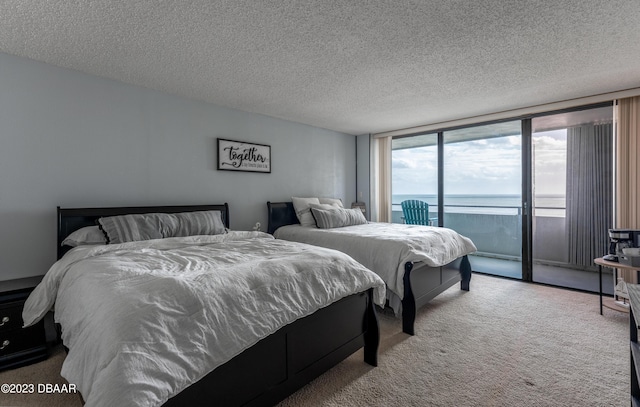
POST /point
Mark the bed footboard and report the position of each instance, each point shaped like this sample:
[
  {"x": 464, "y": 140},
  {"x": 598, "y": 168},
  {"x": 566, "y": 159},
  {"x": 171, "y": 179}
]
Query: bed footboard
[
  {"x": 285, "y": 361},
  {"x": 422, "y": 284}
]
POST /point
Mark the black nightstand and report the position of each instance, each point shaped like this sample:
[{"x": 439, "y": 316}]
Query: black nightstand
[{"x": 19, "y": 346}]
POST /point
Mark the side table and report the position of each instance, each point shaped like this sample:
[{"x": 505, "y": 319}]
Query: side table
[
  {"x": 613, "y": 265},
  {"x": 19, "y": 346}
]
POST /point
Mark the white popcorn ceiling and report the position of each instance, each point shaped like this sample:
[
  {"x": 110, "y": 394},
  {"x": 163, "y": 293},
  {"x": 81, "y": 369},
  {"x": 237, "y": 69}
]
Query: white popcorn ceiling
[{"x": 351, "y": 66}]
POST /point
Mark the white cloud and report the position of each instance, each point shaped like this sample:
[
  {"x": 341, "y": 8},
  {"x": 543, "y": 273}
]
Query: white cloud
[{"x": 487, "y": 166}]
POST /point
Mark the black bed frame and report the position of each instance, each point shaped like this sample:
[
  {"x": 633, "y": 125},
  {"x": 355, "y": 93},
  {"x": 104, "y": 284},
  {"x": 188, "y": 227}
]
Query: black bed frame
[
  {"x": 422, "y": 283},
  {"x": 279, "y": 364}
]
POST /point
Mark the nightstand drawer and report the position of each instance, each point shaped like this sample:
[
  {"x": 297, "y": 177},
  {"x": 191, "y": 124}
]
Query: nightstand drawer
[
  {"x": 11, "y": 315},
  {"x": 19, "y": 346},
  {"x": 21, "y": 339}
]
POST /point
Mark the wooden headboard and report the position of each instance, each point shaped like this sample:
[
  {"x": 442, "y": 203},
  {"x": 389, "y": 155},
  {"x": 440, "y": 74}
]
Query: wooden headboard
[
  {"x": 280, "y": 214},
  {"x": 72, "y": 219}
]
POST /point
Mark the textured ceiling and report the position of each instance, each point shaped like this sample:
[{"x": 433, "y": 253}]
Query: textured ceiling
[{"x": 351, "y": 66}]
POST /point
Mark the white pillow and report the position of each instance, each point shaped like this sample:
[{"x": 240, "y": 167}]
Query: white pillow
[
  {"x": 332, "y": 201},
  {"x": 303, "y": 211},
  {"x": 85, "y": 236},
  {"x": 326, "y": 207}
]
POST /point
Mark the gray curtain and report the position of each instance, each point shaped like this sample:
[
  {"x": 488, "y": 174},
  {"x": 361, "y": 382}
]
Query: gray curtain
[{"x": 589, "y": 192}]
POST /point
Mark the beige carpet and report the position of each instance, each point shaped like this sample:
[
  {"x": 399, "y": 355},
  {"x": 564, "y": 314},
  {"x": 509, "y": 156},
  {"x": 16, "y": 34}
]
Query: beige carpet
[{"x": 504, "y": 343}]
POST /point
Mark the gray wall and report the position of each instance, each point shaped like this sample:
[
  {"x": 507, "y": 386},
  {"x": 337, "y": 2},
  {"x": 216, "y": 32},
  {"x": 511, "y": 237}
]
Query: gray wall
[{"x": 74, "y": 140}]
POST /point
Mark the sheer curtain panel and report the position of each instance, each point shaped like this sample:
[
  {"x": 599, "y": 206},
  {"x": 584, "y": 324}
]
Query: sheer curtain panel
[
  {"x": 381, "y": 179},
  {"x": 627, "y": 116}
]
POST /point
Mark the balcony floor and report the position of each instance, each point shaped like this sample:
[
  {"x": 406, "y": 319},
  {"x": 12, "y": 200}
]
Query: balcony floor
[{"x": 545, "y": 274}]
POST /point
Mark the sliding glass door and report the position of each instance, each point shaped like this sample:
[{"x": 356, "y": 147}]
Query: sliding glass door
[
  {"x": 483, "y": 193},
  {"x": 573, "y": 176}
]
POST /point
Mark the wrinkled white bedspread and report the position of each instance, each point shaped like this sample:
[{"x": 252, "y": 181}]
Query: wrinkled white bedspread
[
  {"x": 385, "y": 247},
  {"x": 143, "y": 320}
]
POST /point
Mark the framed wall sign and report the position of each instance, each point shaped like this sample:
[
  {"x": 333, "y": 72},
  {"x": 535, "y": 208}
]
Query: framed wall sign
[{"x": 241, "y": 156}]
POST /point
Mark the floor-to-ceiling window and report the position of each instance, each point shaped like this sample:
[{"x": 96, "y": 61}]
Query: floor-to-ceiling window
[
  {"x": 534, "y": 193},
  {"x": 414, "y": 173}
]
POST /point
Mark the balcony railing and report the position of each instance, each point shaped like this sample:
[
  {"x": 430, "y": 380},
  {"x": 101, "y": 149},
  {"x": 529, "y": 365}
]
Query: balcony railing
[{"x": 497, "y": 230}]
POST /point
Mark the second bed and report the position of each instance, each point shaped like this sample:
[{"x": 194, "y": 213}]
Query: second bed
[{"x": 416, "y": 262}]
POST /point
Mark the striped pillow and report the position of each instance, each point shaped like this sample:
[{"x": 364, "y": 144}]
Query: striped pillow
[
  {"x": 147, "y": 226},
  {"x": 337, "y": 218},
  {"x": 199, "y": 223}
]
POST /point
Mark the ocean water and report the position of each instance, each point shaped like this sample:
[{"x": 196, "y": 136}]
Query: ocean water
[{"x": 545, "y": 205}]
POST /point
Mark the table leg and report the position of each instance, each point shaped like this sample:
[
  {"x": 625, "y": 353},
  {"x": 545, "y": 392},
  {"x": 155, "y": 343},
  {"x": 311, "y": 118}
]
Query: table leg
[
  {"x": 600, "y": 281},
  {"x": 615, "y": 283}
]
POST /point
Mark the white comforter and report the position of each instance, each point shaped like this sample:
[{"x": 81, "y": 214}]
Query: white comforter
[
  {"x": 143, "y": 320},
  {"x": 385, "y": 247}
]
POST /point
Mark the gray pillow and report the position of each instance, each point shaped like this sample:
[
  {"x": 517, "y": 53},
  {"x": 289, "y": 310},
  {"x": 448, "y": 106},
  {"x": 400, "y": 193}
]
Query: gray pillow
[
  {"x": 199, "y": 223},
  {"x": 147, "y": 226},
  {"x": 338, "y": 217}
]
